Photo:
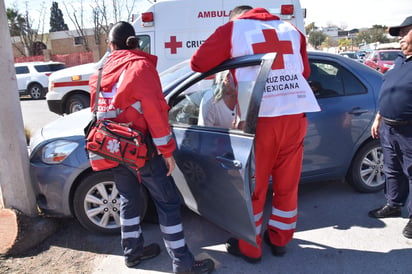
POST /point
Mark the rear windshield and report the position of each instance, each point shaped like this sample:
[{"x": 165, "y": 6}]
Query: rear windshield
[
  {"x": 389, "y": 55},
  {"x": 49, "y": 67}
]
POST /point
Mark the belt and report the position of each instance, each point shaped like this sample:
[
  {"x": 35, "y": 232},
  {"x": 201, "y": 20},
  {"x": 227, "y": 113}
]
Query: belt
[{"x": 396, "y": 122}]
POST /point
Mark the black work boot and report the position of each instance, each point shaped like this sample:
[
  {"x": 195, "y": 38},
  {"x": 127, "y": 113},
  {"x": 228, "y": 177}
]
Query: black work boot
[
  {"x": 149, "y": 252},
  {"x": 200, "y": 267},
  {"x": 232, "y": 246},
  {"x": 385, "y": 211},
  {"x": 407, "y": 231},
  {"x": 277, "y": 250}
]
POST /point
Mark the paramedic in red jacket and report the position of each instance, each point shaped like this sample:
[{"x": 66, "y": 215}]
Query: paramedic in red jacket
[
  {"x": 281, "y": 125},
  {"x": 131, "y": 93}
]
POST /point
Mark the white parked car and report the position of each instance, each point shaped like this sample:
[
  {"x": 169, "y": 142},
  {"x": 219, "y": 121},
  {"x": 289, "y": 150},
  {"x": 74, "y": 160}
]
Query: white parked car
[{"x": 33, "y": 77}]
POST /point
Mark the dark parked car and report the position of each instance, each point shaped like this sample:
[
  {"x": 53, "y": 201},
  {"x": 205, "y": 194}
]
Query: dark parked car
[{"x": 215, "y": 166}]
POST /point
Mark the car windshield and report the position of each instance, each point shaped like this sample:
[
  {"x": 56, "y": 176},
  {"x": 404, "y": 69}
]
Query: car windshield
[
  {"x": 388, "y": 55},
  {"x": 174, "y": 73}
]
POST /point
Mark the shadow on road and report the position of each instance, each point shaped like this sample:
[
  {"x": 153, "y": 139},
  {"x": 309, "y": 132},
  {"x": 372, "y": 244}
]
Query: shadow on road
[{"x": 334, "y": 235}]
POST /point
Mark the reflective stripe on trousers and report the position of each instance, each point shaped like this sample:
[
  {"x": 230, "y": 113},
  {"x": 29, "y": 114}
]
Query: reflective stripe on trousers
[
  {"x": 129, "y": 191},
  {"x": 279, "y": 153},
  {"x": 168, "y": 204}
]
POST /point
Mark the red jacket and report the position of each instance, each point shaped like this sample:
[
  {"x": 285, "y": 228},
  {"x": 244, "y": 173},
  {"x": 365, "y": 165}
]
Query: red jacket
[
  {"x": 219, "y": 44},
  {"x": 139, "y": 83}
]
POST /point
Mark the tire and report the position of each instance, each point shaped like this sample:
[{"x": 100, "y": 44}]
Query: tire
[
  {"x": 96, "y": 203},
  {"x": 77, "y": 102},
  {"x": 366, "y": 171},
  {"x": 36, "y": 91}
]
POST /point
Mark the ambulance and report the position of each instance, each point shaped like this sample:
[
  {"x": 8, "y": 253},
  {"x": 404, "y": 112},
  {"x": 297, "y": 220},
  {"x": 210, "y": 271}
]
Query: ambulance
[{"x": 169, "y": 29}]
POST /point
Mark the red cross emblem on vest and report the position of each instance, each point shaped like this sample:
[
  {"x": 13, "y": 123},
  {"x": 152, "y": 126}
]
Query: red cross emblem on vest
[
  {"x": 273, "y": 44},
  {"x": 173, "y": 45}
]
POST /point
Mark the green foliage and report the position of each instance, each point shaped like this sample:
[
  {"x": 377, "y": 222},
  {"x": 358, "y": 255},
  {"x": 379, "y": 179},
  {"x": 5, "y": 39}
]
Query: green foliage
[
  {"x": 56, "y": 19},
  {"x": 375, "y": 34},
  {"x": 316, "y": 38},
  {"x": 310, "y": 28},
  {"x": 16, "y": 21}
]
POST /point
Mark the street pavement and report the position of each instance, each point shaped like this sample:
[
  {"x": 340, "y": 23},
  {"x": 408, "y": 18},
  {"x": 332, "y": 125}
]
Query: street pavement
[{"x": 334, "y": 235}]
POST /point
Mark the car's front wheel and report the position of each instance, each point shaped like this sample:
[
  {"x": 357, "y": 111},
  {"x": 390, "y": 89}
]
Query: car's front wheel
[
  {"x": 366, "y": 172},
  {"x": 36, "y": 91},
  {"x": 96, "y": 203}
]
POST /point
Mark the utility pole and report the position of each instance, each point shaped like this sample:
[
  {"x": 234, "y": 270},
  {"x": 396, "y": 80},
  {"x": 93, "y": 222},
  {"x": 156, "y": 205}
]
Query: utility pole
[
  {"x": 18, "y": 209},
  {"x": 14, "y": 162}
]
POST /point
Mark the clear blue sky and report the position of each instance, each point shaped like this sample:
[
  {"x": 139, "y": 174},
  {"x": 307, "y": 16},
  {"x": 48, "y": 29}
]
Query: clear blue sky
[{"x": 349, "y": 13}]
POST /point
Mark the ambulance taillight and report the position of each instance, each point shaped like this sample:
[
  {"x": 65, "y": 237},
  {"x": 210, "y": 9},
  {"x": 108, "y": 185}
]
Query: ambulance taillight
[
  {"x": 287, "y": 9},
  {"x": 147, "y": 19}
]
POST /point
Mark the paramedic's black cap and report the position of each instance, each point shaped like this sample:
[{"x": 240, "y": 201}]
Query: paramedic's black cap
[{"x": 394, "y": 31}]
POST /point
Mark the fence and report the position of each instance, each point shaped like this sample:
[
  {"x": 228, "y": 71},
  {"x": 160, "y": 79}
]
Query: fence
[{"x": 70, "y": 60}]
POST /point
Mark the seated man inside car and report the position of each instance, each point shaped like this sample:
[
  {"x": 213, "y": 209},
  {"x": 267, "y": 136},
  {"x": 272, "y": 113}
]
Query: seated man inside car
[{"x": 220, "y": 107}]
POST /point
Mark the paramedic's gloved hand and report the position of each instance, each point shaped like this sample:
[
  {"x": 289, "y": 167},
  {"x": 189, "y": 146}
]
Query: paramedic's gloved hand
[{"x": 171, "y": 164}]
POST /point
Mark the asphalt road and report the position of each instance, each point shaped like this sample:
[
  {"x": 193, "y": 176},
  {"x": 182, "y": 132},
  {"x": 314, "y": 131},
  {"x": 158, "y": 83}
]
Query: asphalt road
[
  {"x": 36, "y": 113},
  {"x": 334, "y": 233}
]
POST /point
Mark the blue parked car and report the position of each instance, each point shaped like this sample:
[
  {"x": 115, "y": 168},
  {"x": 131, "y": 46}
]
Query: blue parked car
[{"x": 215, "y": 165}]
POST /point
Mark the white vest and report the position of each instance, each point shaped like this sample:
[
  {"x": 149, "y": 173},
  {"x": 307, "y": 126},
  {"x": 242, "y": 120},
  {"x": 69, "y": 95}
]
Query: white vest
[{"x": 286, "y": 90}]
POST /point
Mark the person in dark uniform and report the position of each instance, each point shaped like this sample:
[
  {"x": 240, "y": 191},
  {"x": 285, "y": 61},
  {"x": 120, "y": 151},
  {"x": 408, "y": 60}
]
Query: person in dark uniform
[{"x": 393, "y": 125}]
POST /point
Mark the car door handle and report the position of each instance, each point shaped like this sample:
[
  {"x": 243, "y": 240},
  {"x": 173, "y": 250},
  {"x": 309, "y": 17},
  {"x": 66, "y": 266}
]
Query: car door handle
[
  {"x": 357, "y": 111},
  {"x": 229, "y": 163}
]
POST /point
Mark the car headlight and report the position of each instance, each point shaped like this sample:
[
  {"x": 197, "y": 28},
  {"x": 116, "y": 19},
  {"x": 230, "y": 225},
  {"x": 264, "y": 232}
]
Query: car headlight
[
  {"x": 387, "y": 65},
  {"x": 57, "y": 151}
]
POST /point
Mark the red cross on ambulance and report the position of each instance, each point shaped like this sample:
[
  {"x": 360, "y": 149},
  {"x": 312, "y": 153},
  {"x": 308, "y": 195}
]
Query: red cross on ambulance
[
  {"x": 173, "y": 45},
  {"x": 273, "y": 44}
]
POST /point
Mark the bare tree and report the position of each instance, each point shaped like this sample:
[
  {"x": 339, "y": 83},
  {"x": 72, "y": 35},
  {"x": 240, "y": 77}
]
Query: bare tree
[
  {"x": 117, "y": 7},
  {"x": 77, "y": 18},
  {"x": 31, "y": 38},
  {"x": 103, "y": 14}
]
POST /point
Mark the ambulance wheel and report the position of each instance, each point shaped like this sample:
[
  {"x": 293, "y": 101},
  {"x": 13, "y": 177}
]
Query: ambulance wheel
[
  {"x": 366, "y": 171},
  {"x": 77, "y": 102},
  {"x": 96, "y": 203}
]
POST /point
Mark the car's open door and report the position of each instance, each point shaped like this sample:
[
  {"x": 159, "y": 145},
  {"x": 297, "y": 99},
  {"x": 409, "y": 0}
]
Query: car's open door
[{"x": 214, "y": 168}]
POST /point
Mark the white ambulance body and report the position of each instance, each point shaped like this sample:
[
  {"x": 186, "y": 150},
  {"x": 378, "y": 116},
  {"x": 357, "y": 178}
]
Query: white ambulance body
[{"x": 171, "y": 30}]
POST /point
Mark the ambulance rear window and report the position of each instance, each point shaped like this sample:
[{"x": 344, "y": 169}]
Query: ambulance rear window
[{"x": 144, "y": 43}]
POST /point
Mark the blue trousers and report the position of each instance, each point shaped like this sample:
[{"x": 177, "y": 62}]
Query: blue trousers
[
  {"x": 167, "y": 201},
  {"x": 396, "y": 142}
]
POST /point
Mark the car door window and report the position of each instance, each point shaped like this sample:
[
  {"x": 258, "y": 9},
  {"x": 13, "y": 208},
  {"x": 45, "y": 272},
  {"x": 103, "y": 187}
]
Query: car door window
[
  {"x": 49, "y": 67},
  {"x": 329, "y": 79},
  {"x": 186, "y": 110},
  {"x": 22, "y": 70},
  {"x": 193, "y": 105}
]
